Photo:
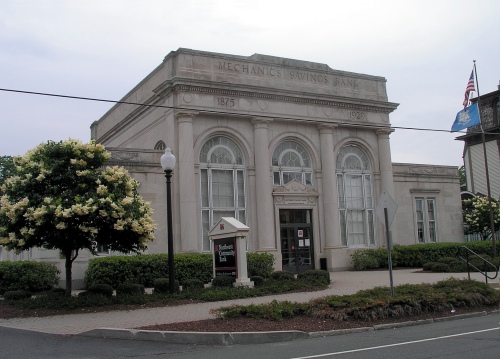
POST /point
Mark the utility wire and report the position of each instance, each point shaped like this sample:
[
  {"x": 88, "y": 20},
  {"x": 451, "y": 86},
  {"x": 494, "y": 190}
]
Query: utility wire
[{"x": 220, "y": 112}]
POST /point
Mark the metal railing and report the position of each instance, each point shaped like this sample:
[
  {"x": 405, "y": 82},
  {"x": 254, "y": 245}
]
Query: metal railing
[{"x": 470, "y": 253}]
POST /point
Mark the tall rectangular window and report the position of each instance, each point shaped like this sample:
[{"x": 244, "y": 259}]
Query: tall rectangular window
[
  {"x": 356, "y": 209},
  {"x": 425, "y": 218}
]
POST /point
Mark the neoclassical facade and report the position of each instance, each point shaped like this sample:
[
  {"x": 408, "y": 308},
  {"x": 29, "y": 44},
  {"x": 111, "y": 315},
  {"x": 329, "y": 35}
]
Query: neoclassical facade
[
  {"x": 297, "y": 151},
  {"x": 293, "y": 149}
]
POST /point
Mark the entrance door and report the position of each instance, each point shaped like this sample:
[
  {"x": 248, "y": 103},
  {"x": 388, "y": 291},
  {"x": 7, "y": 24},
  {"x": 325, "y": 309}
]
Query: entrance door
[{"x": 296, "y": 240}]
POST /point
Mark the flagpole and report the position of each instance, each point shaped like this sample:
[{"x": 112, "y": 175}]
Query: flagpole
[{"x": 492, "y": 220}]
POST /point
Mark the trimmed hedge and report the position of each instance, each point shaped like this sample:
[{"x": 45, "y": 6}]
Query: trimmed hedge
[
  {"x": 260, "y": 264},
  {"x": 29, "y": 276},
  {"x": 145, "y": 268},
  {"x": 415, "y": 255}
]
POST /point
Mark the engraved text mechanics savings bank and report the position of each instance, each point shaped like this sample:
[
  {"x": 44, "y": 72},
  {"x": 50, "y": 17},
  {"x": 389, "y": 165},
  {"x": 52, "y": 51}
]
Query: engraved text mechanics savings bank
[{"x": 294, "y": 75}]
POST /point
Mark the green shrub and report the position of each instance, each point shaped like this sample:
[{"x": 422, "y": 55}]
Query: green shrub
[
  {"x": 416, "y": 255},
  {"x": 440, "y": 267},
  {"x": 365, "y": 259},
  {"x": 282, "y": 276},
  {"x": 27, "y": 275},
  {"x": 448, "y": 260},
  {"x": 144, "y": 269},
  {"x": 101, "y": 289},
  {"x": 13, "y": 295},
  {"x": 223, "y": 281},
  {"x": 162, "y": 286},
  {"x": 260, "y": 264},
  {"x": 193, "y": 284},
  {"x": 315, "y": 276},
  {"x": 130, "y": 289},
  {"x": 428, "y": 266},
  {"x": 257, "y": 280}
]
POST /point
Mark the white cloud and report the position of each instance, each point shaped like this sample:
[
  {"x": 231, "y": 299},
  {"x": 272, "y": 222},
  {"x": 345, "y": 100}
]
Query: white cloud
[{"x": 103, "y": 48}]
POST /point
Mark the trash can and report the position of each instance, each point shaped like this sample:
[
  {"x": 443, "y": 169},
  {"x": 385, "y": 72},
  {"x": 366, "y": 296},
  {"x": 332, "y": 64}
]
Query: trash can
[{"x": 322, "y": 264}]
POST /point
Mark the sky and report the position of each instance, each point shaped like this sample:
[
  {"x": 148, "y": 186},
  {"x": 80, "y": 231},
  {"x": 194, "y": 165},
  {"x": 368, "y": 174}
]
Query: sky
[{"x": 103, "y": 48}]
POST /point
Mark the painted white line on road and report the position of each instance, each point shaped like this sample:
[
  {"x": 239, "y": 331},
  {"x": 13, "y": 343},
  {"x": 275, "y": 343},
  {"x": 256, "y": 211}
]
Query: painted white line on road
[{"x": 397, "y": 344}]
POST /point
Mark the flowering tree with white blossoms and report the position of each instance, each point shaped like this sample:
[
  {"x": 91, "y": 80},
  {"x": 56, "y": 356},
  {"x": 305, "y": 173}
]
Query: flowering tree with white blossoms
[
  {"x": 476, "y": 216},
  {"x": 62, "y": 197}
]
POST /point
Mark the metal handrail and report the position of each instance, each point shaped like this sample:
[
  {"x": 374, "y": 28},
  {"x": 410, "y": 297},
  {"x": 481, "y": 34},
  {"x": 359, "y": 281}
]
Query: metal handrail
[{"x": 469, "y": 264}]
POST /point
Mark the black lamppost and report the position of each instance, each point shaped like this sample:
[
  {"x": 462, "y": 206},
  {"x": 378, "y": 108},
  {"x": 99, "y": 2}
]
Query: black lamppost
[{"x": 168, "y": 164}]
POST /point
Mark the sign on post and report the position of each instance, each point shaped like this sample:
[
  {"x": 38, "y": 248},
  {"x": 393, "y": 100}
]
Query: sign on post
[
  {"x": 225, "y": 256},
  {"x": 386, "y": 210}
]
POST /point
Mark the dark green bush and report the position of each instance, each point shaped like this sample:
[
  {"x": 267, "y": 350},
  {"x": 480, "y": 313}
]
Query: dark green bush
[
  {"x": 130, "y": 289},
  {"x": 440, "y": 267},
  {"x": 415, "y": 255},
  {"x": 282, "y": 276},
  {"x": 162, "y": 286},
  {"x": 260, "y": 264},
  {"x": 144, "y": 269},
  {"x": 193, "y": 284},
  {"x": 365, "y": 259},
  {"x": 315, "y": 276},
  {"x": 58, "y": 290},
  {"x": 102, "y": 289},
  {"x": 13, "y": 295},
  {"x": 223, "y": 281},
  {"x": 428, "y": 266},
  {"x": 27, "y": 275},
  {"x": 257, "y": 280},
  {"x": 448, "y": 260}
]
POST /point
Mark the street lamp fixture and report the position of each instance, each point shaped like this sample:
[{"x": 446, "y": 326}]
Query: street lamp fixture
[{"x": 168, "y": 163}]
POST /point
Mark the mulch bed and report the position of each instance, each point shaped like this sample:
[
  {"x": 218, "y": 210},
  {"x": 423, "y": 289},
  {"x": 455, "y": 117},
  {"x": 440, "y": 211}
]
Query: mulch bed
[{"x": 306, "y": 324}]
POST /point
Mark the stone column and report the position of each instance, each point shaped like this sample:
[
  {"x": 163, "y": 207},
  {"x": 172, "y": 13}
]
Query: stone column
[
  {"x": 385, "y": 161},
  {"x": 186, "y": 182},
  {"x": 263, "y": 187},
  {"x": 329, "y": 189}
]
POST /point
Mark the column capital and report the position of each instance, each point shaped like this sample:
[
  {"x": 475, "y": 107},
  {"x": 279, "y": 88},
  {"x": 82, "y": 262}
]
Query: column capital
[
  {"x": 384, "y": 131},
  {"x": 185, "y": 115},
  {"x": 260, "y": 121},
  {"x": 326, "y": 128}
]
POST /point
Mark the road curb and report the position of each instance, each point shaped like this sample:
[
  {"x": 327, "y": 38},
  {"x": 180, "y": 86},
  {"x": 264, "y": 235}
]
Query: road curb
[
  {"x": 200, "y": 338},
  {"x": 235, "y": 338}
]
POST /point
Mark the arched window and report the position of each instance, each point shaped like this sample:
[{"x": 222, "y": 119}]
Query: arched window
[
  {"x": 160, "y": 145},
  {"x": 291, "y": 161},
  {"x": 222, "y": 177},
  {"x": 354, "y": 181}
]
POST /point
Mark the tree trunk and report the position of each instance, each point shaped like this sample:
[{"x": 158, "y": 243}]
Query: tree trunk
[{"x": 68, "y": 265}]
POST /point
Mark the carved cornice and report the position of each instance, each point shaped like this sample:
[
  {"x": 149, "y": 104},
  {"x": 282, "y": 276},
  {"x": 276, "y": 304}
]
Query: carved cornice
[
  {"x": 295, "y": 188},
  {"x": 384, "y": 107}
]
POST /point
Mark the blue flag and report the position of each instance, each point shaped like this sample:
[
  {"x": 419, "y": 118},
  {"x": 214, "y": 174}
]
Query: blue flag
[{"x": 468, "y": 117}]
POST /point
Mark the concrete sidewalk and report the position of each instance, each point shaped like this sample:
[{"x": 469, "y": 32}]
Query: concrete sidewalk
[{"x": 347, "y": 282}]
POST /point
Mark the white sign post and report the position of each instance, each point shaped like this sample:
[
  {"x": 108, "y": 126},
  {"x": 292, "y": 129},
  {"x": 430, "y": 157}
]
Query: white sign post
[{"x": 386, "y": 210}]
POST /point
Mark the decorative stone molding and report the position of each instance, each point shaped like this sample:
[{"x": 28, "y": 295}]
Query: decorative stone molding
[
  {"x": 385, "y": 107},
  {"x": 295, "y": 192}
]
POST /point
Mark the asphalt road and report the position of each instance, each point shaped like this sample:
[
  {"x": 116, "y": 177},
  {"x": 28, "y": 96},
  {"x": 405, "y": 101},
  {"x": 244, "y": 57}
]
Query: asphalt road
[{"x": 477, "y": 337}]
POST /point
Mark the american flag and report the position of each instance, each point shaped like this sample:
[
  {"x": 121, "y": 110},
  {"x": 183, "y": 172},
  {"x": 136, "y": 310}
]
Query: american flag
[{"x": 470, "y": 88}]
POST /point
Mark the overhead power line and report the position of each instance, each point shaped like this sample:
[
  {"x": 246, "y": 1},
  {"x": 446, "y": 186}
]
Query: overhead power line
[{"x": 213, "y": 111}]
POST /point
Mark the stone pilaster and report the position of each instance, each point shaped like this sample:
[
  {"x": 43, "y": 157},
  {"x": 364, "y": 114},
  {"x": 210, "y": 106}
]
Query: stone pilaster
[
  {"x": 385, "y": 161},
  {"x": 186, "y": 181},
  {"x": 329, "y": 189},
  {"x": 263, "y": 187}
]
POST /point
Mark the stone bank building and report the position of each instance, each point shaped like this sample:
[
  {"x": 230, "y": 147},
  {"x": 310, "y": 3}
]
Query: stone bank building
[{"x": 297, "y": 151}]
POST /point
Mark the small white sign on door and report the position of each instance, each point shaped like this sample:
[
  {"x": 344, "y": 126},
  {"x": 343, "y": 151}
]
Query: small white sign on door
[{"x": 300, "y": 233}]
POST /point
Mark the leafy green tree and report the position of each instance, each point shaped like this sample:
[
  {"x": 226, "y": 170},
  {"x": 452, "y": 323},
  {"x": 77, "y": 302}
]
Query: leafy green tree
[
  {"x": 63, "y": 198},
  {"x": 7, "y": 168},
  {"x": 476, "y": 215},
  {"x": 461, "y": 173}
]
